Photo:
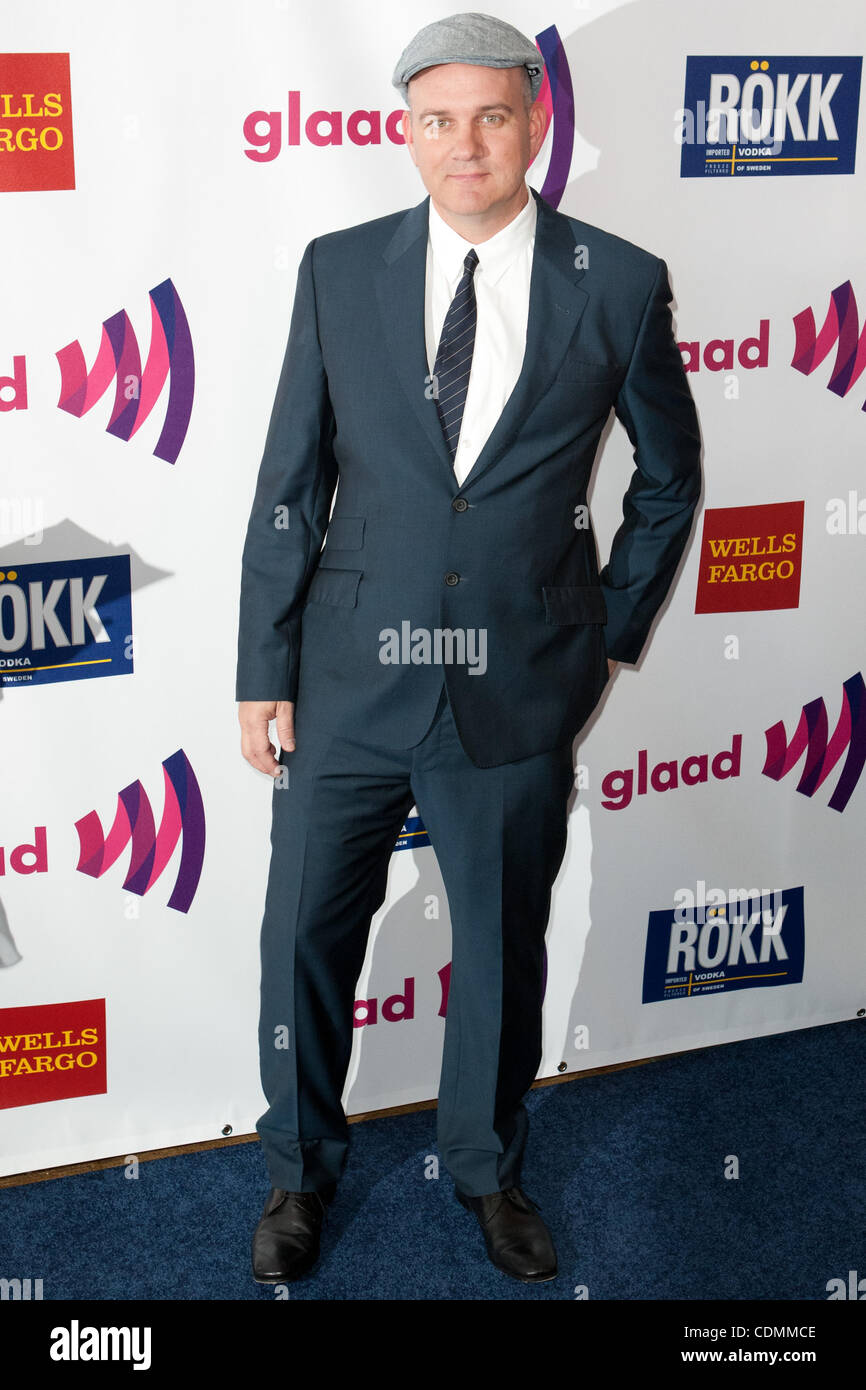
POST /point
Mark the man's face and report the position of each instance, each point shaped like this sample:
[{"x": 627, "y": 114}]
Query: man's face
[{"x": 471, "y": 136}]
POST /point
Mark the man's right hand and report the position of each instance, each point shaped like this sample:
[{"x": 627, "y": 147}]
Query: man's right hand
[{"x": 254, "y": 717}]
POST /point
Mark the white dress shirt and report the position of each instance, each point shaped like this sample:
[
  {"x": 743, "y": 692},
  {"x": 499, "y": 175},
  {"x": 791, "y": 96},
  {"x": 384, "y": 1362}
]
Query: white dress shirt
[{"x": 501, "y": 282}]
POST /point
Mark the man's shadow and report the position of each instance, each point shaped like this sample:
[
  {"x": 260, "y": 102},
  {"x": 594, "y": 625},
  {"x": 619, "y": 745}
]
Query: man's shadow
[
  {"x": 594, "y": 905},
  {"x": 402, "y": 992}
]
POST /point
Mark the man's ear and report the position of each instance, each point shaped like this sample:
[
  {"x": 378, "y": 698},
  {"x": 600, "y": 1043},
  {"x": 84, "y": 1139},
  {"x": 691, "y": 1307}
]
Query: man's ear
[{"x": 538, "y": 126}]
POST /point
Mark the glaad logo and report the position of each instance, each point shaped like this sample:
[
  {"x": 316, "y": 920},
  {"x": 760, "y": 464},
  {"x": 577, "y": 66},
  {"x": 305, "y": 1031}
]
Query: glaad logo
[
  {"x": 183, "y": 814},
  {"x": 840, "y": 329},
  {"x": 63, "y": 620},
  {"x": 136, "y": 391},
  {"x": 263, "y": 130},
  {"x": 753, "y": 938},
  {"x": 619, "y": 785},
  {"x": 768, "y": 116},
  {"x": 394, "y": 1009},
  {"x": 823, "y": 753},
  {"x": 320, "y": 128},
  {"x": 717, "y": 355}
]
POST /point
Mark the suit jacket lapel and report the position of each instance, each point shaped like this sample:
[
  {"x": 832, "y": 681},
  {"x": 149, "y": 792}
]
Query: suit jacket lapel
[
  {"x": 556, "y": 302},
  {"x": 400, "y": 286}
]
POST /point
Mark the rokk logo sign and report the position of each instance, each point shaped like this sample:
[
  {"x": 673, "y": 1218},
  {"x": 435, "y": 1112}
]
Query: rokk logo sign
[
  {"x": 750, "y": 558},
  {"x": 36, "y": 149},
  {"x": 412, "y": 835},
  {"x": 63, "y": 620},
  {"x": 823, "y": 751},
  {"x": 760, "y": 115},
  {"x": 746, "y": 942},
  {"x": 52, "y": 1052}
]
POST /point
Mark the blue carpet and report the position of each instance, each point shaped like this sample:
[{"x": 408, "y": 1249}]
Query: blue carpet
[{"x": 628, "y": 1168}]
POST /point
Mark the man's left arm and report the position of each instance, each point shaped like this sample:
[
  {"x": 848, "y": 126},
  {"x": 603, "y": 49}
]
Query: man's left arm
[{"x": 656, "y": 408}]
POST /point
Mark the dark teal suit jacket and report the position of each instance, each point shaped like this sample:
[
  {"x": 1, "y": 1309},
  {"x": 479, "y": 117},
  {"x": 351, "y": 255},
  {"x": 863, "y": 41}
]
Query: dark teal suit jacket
[{"x": 354, "y": 411}]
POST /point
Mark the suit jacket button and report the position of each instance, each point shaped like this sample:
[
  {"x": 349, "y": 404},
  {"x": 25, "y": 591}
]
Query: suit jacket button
[
  {"x": 452, "y": 578},
  {"x": 460, "y": 504}
]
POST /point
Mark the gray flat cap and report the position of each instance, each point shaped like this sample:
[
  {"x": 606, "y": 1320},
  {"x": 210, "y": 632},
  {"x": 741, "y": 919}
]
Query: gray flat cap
[{"x": 468, "y": 38}]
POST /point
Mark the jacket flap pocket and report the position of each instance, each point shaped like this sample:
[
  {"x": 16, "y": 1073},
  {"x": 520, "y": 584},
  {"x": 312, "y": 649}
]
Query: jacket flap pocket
[
  {"x": 581, "y": 369},
  {"x": 336, "y": 587},
  {"x": 345, "y": 533},
  {"x": 575, "y": 603}
]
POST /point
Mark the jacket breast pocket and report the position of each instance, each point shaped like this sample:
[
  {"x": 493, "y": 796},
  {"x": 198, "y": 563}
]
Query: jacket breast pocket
[
  {"x": 579, "y": 370},
  {"x": 336, "y": 588},
  {"x": 345, "y": 533},
  {"x": 574, "y": 603}
]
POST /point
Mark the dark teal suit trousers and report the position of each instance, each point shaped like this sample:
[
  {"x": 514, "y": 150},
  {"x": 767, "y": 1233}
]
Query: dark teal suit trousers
[{"x": 499, "y": 835}]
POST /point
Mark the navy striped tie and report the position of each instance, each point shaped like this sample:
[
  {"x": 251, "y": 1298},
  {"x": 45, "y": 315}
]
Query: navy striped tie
[{"x": 454, "y": 357}]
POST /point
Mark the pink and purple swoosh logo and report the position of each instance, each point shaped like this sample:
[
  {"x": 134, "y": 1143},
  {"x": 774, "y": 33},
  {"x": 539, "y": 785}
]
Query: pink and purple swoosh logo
[
  {"x": 136, "y": 390},
  {"x": 151, "y": 849},
  {"x": 823, "y": 750},
  {"x": 557, "y": 96},
  {"x": 841, "y": 329}
]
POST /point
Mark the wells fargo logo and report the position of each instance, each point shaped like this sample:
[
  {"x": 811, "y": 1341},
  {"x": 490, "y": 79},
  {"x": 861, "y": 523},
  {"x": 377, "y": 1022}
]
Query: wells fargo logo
[
  {"x": 823, "y": 751},
  {"x": 841, "y": 329},
  {"x": 36, "y": 150},
  {"x": 52, "y": 1052},
  {"x": 750, "y": 558},
  {"x": 151, "y": 849}
]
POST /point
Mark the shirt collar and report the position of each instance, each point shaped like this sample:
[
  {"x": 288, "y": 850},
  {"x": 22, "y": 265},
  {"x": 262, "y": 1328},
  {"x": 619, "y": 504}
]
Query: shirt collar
[{"x": 494, "y": 255}]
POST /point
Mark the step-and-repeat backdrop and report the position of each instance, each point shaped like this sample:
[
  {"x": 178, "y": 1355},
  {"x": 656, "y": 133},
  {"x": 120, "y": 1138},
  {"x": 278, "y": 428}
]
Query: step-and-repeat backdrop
[{"x": 161, "y": 171}]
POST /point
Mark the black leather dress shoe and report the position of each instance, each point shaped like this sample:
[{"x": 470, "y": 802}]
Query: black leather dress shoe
[
  {"x": 286, "y": 1240},
  {"x": 517, "y": 1240}
]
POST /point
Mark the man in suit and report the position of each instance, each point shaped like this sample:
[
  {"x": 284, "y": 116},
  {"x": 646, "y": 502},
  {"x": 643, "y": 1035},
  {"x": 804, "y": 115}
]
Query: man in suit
[{"x": 448, "y": 373}]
